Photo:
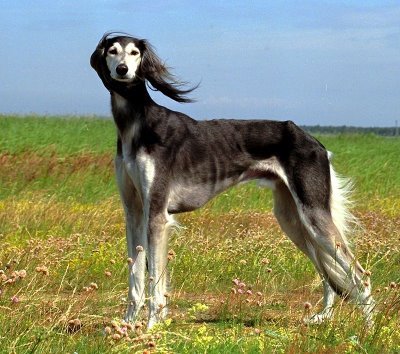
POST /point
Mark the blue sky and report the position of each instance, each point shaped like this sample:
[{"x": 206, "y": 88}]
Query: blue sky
[{"x": 315, "y": 62}]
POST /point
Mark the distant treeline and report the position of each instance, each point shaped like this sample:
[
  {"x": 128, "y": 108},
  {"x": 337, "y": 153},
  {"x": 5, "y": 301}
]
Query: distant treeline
[{"x": 318, "y": 129}]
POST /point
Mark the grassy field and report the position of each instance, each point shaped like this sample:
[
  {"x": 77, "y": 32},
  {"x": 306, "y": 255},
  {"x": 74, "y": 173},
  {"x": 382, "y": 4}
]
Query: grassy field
[{"x": 63, "y": 269}]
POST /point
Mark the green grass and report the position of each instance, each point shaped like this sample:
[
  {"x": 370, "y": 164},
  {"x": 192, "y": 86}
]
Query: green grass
[
  {"x": 59, "y": 208},
  {"x": 60, "y": 136}
]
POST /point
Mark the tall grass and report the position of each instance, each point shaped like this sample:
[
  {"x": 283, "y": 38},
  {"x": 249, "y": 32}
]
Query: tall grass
[{"x": 238, "y": 284}]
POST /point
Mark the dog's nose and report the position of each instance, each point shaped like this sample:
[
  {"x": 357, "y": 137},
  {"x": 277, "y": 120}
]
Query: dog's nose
[{"x": 122, "y": 69}]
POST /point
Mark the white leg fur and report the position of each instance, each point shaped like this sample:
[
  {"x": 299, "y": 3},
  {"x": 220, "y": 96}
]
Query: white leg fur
[
  {"x": 158, "y": 243},
  {"x": 136, "y": 226},
  {"x": 135, "y": 236},
  {"x": 327, "y": 311}
]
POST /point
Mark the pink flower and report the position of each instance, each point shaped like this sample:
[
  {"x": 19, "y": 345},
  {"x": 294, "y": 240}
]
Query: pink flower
[{"x": 307, "y": 305}]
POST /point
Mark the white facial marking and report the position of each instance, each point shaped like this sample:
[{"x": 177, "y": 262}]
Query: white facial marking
[{"x": 119, "y": 55}]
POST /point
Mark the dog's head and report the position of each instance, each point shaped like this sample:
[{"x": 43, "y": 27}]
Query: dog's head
[{"x": 123, "y": 61}]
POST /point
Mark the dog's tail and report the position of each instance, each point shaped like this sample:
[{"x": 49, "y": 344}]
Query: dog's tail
[{"x": 340, "y": 203}]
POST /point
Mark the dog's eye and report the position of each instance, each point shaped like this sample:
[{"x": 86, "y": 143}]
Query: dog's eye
[
  {"x": 112, "y": 51},
  {"x": 134, "y": 52}
]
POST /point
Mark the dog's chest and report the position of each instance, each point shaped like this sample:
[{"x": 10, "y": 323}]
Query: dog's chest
[{"x": 139, "y": 165}]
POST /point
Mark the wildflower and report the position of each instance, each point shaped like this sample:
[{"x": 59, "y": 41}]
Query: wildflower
[
  {"x": 259, "y": 293},
  {"x": 120, "y": 330},
  {"x": 116, "y": 336},
  {"x": 107, "y": 330},
  {"x": 139, "y": 249},
  {"x": 249, "y": 292},
  {"x": 243, "y": 261},
  {"x": 93, "y": 286},
  {"x": 265, "y": 261},
  {"x": 107, "y": 273},
  {"x": 21, "y": 273},
  {"x": 236, "y": 281},
  {"x": 171, "y": 255},
  {"x": 138, "y": 325},
  {"x": 130, "y": 261},
  {"x": 42, "y": 269},
  {"x": 112, "y": 261},
  {"x": 233, "y": 291},
  {"x": 307, "y": 305},
  {"x": 257, "y": 331},
  {"x": 114, "y": 324},
  {"x": 393, "y": 285},
  {"x": 74, "y": 325},
  {"x": 15, "y": 299}
]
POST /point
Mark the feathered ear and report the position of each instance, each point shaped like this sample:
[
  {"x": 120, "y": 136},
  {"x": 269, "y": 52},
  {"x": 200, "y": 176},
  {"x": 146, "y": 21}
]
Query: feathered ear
[
  {"x": 97, "y": 55},
  {"x": 95, "y": 58},
  {"x": 157, "y": 74},
  {"x": 98, "y": 63}
]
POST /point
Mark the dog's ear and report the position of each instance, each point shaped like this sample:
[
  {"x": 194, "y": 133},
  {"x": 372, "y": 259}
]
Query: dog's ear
[
  {"x": 97, "y": 56},
  {"x": 157, "y": 74},
  {"x": 98, "y": 62}
]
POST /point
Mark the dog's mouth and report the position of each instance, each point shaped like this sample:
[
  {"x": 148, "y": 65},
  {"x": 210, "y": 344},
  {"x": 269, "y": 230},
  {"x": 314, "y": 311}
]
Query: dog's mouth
[{"x": 123, "y": 79}]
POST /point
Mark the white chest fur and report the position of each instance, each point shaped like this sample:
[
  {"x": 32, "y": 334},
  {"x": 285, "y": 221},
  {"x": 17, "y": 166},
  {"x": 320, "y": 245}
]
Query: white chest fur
[{"x": 141, "y": 169}]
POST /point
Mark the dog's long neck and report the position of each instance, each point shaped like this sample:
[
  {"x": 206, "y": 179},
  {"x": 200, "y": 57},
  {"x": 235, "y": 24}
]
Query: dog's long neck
[
  {"x": 129, "y": 108},
  {"x": 129, "y": 104}
]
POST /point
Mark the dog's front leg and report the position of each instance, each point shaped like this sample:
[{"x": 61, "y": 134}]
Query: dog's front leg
[
  {"x": 136, "y": 244},
  {"x": 157, "y": 258},
  {"x": 136, "y": 228}
]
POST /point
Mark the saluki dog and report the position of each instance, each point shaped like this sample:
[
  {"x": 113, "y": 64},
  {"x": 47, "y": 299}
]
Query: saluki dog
[{"x": 168, "y": 163}]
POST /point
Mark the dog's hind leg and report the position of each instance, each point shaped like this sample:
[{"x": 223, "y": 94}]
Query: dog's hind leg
[
  {"x": 314, "y": 193},
  {"x": 288, "y": 218},
  {"x": 157, "y": 258},
  {"x": 136, "y": 225}
]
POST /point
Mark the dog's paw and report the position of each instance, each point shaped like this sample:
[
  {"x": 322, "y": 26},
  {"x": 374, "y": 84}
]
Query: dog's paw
[{"x": 320, "y": 317}]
